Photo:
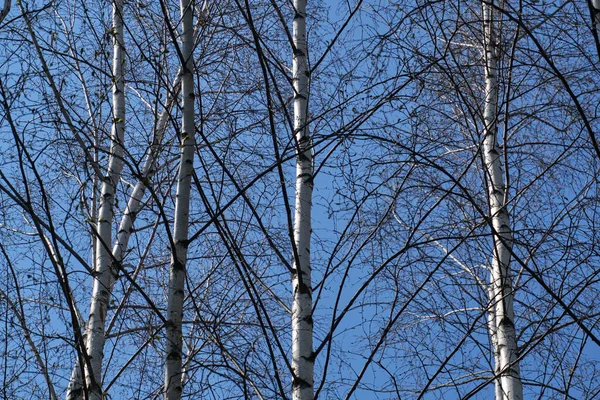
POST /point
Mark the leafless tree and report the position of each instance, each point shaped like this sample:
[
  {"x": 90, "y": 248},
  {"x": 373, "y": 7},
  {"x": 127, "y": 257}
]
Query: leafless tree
[{"x": 164, "y": 174}]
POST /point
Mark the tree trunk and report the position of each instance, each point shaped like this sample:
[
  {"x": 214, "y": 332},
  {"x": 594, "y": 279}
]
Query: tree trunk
[
  {"x": 177, "y": 271},
  {"x": 134, "y": 205},
  {"x": 508, "y": 382},
  {"x": 103, "y": 280},
  {"x": 135, "y": 200},
  {"x": 302, "y": 323}
]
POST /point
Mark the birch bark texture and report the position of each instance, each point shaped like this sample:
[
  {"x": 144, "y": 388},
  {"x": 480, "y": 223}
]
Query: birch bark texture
[
  {"x": 104, "y": 269},
  {"x": 134, "y": 206},
  {"x": 501, "y": 323},
  {"x": 302, "y": 322},
  {"x": 173, "y": 386}
]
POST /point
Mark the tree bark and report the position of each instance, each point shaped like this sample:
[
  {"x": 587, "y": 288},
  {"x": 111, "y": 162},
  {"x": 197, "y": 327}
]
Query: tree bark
[
  {"x": 104, "y": 273},
  {"x": 302, "y": 323},
  {"x": 502, "y": 326},
  {"x": 177, "y": 271},
  {"x": 134, "y": 205}
]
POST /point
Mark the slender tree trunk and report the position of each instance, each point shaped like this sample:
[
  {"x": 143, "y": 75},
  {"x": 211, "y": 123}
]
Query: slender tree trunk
[
  {"x": 502, "y": 326},
  {"x": 302, "y": 323},
  {"x": 104, "y": 278},
  {"x": 134, "y": 205},
  {"x": 493, "y": 332},
  {"x": 177, "y": 271},
  {"x": 135, "y": 200},
  {"x": 75, "y": 387}
]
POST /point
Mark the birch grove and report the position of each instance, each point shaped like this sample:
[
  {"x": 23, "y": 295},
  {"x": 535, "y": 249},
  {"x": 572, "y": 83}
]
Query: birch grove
[{"x": 158, "y": 161}]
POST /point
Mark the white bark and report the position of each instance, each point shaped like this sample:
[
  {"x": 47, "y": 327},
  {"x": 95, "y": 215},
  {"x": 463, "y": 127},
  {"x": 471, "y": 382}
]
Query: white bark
[
  {"x": 493, "y": 332},
  {"x": 173, "y": 362},
  {"x": 104, "y": 278},
  {"x": 302, "y": 323},
  {"x": 75, "y": 388},
  {"x": 134, "y": 204},
  {"x": 502, "y": 326}
]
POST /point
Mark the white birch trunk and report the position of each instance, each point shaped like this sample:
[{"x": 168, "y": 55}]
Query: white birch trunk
[
  {"x": 503, "y": 335},
  {"x": 492, "y": 328},
  {"x": 302, "y": 323},
  {"x": 134, "y": 205},
  {"x": 177, "y": 271},
  {"x": 75, "y": 388},
  {"x": 104, "y": 278}
]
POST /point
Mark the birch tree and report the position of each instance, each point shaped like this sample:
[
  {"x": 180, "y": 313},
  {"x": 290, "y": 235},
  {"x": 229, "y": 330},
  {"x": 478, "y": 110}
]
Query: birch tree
[
  {"x": 390, "y": 259},
  {"x": 134, "y": 206},
  {"x": 105, "y": 269},
  {"x": 179, "y": 243},
  {"x": 502, "y": 316},
  {"x": 302, "y": 320}
]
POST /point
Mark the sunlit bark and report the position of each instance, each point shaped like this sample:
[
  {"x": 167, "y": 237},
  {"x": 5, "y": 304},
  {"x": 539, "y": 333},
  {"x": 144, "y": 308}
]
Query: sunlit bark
[
  {"x": 104, "y": 274},
  {"x": 177, "y": 271},
  {"x": 302, "y": 323},
  {"x": 501, "y": 323}
]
